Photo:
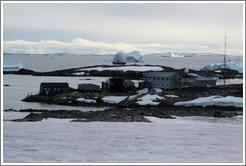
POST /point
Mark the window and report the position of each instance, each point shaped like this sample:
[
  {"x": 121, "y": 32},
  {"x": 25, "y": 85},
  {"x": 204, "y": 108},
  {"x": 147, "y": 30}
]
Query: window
[
  {"x": 167, "y": 79},
  {"x": 158, "y": 78},
  {"x": 154, "y": 78},
  {"x": 163, "y": 79}
]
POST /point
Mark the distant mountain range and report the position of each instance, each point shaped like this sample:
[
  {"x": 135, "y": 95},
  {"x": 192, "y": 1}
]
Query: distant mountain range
[{"x": 166, "y": 54}]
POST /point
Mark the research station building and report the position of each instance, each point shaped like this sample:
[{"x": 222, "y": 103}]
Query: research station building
[{"x": 163, "y": 80}]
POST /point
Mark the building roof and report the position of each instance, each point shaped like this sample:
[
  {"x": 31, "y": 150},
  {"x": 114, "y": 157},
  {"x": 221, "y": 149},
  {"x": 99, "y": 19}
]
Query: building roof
[
  {"x": 84, "y": 84},
  {"x": 52, "y": 84},
  {"x": 205, "y": 79},
  {"x": 160, "y": 74}
]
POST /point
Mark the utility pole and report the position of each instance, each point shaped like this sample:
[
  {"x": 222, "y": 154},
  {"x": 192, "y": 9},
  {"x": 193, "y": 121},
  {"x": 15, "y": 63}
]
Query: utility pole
[{"x": 225, "y": 64}]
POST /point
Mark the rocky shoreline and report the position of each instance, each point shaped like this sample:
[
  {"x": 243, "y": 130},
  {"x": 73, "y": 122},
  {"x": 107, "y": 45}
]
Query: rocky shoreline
[
  {"x": 117, "y": 114},
  {"x": 74, "y": 72}
]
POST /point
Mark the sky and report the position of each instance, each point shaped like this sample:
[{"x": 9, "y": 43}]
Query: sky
[{"x": 101, "y": 28}]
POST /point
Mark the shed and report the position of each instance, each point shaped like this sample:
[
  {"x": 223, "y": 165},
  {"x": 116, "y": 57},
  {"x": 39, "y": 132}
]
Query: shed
[
  {"x": 89, "y": 88},
  {"x": 163, "y": 80},
  {"x": 201, "y": 82},
  {"x": 118, "y": 85},
  {"x": 53, "y": 87}
]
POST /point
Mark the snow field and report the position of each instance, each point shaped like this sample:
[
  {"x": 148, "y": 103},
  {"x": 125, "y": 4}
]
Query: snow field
[{"x": 181, "y": 140}]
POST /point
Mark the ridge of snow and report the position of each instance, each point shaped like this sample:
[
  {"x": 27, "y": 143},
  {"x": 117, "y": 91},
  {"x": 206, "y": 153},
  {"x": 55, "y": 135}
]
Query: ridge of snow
[
  {"x": 125, "y": 68},
  {"x": 213, "y": 101}
]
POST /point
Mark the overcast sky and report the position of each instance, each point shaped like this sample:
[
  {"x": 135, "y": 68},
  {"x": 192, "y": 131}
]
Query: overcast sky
[{"x": 109, "y": 28}]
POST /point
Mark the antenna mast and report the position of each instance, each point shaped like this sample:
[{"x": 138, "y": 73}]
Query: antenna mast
[{"x": 225, "y": 64}]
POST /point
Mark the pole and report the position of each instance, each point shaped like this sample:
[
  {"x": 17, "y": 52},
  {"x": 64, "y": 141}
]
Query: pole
[{"x": 225, "y": 64}]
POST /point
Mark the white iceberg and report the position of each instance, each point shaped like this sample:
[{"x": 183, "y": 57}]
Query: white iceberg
[
  {"x": 12, "y": 65},
  {"x": 131, "y": 57},
  {"x": 213, "y": 101},
  {"x": 230, "y": 65},
  {"x": 175, "y": 55}
]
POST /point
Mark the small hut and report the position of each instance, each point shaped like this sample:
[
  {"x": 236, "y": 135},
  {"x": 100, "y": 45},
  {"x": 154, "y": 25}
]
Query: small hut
[{"x": 50, "y": 88}]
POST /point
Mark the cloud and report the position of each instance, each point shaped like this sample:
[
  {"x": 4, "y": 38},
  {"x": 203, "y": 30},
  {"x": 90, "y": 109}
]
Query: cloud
[{"x": 83, "y": 46}]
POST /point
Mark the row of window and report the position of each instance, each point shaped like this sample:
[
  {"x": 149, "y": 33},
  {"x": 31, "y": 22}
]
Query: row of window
[
  {"x": 54, "y": 89},
  {"x": 153, "y": 84},
  {"x": 158, "y": 78}
]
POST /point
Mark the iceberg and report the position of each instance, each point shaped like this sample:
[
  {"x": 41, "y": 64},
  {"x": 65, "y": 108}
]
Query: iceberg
[
  {"x": 131, "y": 57},
  {"x": 174, "y": 55},
  {"x": 230, "y": 65},
  {"x": 12, "y": 65}
]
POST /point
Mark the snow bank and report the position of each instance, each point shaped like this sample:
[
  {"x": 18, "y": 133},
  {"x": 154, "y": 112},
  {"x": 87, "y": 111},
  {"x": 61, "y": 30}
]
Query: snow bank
[
  {"x": 214, "y": 101},
  {"x": 145, "y": 90},
  {"x": 150, "y": 100},
  {"x": 171, "y": 96},
  {"x": 125, "y": 68},
  {"x": 86, "y": 100},
  {"x": 232, "y": 65},
  {"x": 12, "y": 65},
  {"x": 113, "y": 99},
  {"x": 131, "y": 57}
]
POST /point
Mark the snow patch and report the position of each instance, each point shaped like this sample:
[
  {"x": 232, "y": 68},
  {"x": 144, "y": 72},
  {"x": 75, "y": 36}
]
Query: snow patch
[
  {"x": 213, "y": 101},
  {"x": 157, "y": 90},
  {"x": 86, "y": 100},
  {"x": 113, "y": 99},
  {"x": 171, "y": 96},
  {"x": 150, "y": 100}
]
